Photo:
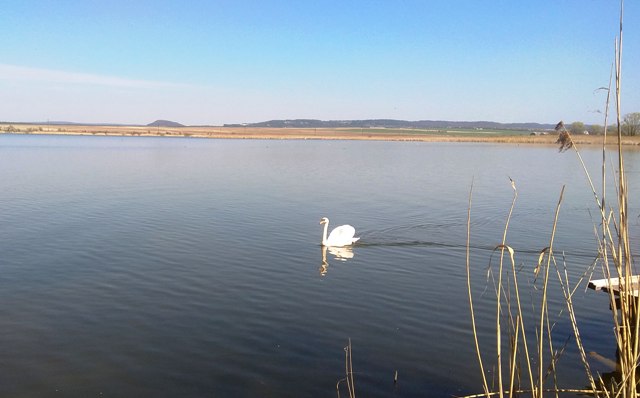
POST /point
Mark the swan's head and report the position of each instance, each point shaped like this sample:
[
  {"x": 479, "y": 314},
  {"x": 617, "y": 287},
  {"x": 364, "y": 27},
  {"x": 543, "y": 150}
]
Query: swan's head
[{"x": 324, "y": 220}]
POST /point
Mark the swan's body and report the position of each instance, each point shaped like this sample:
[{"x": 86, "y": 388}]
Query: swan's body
[{"x": 340, "y": 236}]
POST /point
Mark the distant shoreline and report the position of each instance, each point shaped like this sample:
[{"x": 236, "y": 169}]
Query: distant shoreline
[{"x": 378, "y": 134}]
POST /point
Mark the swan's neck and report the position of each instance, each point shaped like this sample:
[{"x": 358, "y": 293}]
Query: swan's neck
[{"x": 324, "y": 234}]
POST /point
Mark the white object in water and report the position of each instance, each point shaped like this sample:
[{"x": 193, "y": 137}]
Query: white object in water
[{"x": 340, "y": 236}]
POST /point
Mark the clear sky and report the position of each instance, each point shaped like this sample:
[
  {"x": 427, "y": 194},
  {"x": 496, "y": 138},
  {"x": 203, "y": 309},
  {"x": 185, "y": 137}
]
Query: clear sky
[{"x": 214, "y": 62}]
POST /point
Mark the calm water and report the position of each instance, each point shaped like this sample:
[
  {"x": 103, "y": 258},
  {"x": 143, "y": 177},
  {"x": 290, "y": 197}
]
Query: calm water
[{"x": 182, "y": 267}]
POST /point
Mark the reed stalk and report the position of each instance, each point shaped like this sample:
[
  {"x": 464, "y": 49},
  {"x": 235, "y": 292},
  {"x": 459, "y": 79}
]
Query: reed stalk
[
  {"x": 615, "y": 254},
  {"x": 500, "y": 289},
  {"x": 568, "y": 295},
  {"x": 544, "y": 306},
  {"x": 485, "y": 385},
  {"x": 348, "y": 370}
]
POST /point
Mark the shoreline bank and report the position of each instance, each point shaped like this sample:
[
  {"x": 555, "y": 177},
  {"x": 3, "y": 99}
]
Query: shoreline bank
[{"x": 378, "y": 134}]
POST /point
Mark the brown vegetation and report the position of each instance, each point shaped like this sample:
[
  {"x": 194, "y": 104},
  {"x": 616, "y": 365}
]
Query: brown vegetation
[
  {"x": 529, "y": 369},
  {"x": 309, "y": 133}
]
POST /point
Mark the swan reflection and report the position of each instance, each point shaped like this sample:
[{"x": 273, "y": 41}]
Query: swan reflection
[{"x": 339, "y": 253}]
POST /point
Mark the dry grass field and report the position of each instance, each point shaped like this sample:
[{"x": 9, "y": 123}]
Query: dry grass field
[{"x": 380, "y": 134}]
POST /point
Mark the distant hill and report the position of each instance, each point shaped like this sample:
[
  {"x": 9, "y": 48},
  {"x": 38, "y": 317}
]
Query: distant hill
[
  {"x": 315, "y": 123},
  {"x": 391, "y": 123},
  {"x": 165, "y": 123}
]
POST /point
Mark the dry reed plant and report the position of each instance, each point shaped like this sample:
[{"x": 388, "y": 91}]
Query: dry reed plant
[
  {"x": 524, "y": 370},
  {"x": 540, "y": 378},
  {"x": 348, "y": 371}
]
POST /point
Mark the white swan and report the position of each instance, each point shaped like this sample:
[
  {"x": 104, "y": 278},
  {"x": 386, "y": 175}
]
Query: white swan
[{"x": 340, "y": 236}]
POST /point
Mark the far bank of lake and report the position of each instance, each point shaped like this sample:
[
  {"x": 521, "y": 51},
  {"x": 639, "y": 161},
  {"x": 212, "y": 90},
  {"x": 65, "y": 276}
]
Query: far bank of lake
[{"x": 365, "y": 134}]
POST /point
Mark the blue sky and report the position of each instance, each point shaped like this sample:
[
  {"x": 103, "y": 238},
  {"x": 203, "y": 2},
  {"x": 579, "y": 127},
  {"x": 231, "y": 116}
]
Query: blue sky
[{"x": 215, "y": 62}]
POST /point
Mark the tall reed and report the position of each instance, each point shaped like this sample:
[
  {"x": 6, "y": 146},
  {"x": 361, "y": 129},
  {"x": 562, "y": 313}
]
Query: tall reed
[
  {"x": 540, "y": 378},
  {"x": 348, "y": 372}
]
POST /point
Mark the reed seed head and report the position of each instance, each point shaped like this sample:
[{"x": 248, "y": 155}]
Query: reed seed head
[{"x": 564, "y": 138}]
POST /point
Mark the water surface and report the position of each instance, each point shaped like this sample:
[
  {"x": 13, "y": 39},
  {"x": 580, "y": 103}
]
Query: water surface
[{"x": 185, "y": 267}]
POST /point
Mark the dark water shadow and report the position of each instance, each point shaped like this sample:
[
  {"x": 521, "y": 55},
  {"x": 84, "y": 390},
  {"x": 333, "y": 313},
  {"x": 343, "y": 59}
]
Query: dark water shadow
[{"x": 372, "y": 241}]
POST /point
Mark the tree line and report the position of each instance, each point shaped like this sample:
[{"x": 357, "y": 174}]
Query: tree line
[{"x": 630, "y": 126}]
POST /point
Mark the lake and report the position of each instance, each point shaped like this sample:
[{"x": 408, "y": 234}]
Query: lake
[{"x": 190, "y": 267}]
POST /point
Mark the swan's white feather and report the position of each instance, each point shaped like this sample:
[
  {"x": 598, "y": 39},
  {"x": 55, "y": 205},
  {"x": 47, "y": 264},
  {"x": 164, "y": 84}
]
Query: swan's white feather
[{"x": 342, "y": 236}]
